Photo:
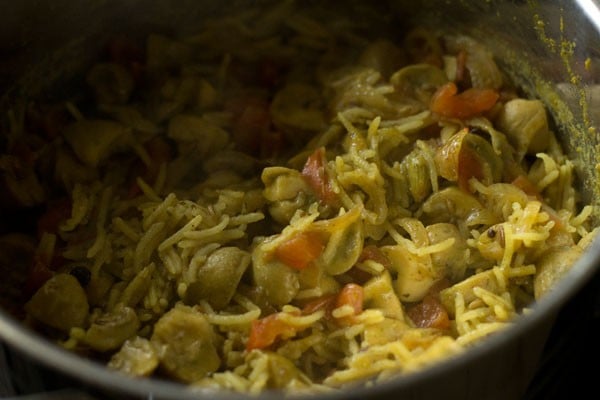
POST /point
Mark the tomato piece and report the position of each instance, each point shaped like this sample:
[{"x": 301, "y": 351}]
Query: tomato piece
[
  {"x": 523, "y": 183},
  {"x": 54, "y": 215},
  {"x": 352, "y": 295},
  {"x": 358, "y": 275},
  {"x": 447, "y": 102},
  {"x": 300, "y": 250},
  {"x": 265, "y": 331},
  {"x": 38, "y": 275},
  {"x": 429, "y": 313},
  {"x": 470, "y": 165},
  {"x": 372, "y": 252},
  {"x": 270, "y": 73},
  {"x": 251, "y": 122},
  {"x": 320, "y": 303},
  {"x": 316, "y": 176}
]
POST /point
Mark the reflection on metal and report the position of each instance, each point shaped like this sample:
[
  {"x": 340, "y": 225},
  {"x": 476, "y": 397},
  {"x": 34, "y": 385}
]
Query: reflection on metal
[{"x": 592, "y": 10}]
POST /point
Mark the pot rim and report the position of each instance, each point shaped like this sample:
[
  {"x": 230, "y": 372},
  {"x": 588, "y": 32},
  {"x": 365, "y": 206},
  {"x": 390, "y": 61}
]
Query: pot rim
[{"x": 90, "y": 372}]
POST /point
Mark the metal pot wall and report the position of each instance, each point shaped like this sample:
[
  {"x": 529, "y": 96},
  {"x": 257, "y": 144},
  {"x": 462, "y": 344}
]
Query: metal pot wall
[{"x": 549, "y": 48}]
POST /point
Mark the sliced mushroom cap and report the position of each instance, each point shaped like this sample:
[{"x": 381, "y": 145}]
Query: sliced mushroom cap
[
  {"x": 553, "y": 266},
  {"x": 60, "y": 303},
  {"x": 283, "y": 183},
  {"x": 279, "y": 282},
  {"x": 486, "y": 280},
  {"x": 345, "y": 242},
  {"x": 500, "y": 197},
  {"x": 419, "y": 81},
  {"x": 417, "y": 175},
  {"x": 137, "y": 357},
  {"x": 111, "y": 330},
  {"x": 454, "y": 260},
  {"x": 483, "y": 70},
  {"x": 525, "y": 123},
  {"x": 455, "y": 206},
  {"x": 186, "y": 344},
  {"x": 285, "y": 189},
  {"x": 93, "y": 141},
  {"x": 467, "y": 156},
  {"x": 218, "y": 278},
  {"x": 414, "y": 274},
  {"x": 379, "y": 293}
]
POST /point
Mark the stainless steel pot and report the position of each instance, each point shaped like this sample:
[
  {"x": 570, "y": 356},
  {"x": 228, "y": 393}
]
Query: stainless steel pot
[{"x": 549, "y": 48}]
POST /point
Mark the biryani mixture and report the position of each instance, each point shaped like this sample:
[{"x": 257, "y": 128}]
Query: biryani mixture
[{"x": 281, "y": 203}]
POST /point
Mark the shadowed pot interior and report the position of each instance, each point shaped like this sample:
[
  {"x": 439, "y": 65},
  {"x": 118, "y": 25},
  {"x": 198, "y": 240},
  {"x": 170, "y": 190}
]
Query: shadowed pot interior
[{"x": 549, "y": 49}]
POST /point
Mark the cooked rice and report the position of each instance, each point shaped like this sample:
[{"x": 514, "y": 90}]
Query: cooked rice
[{"x": 151, "y": 241}]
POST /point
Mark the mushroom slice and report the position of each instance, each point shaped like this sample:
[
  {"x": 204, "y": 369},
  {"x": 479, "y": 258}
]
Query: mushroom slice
[
  {"x": 60, "y": 303},
  {"x": 111, "y": 330},
  {"x": 286, "y": 190},
  {"x": 379, "y": 293},
  {"x": 137, "y": 357},
  {"x": 465, "y": 156},
  {"x": 500, "y": 197},
  {"x": 483, "y": 70},
  {"x": 552, "y": 267},
  {"x": 345, "y": 242},
  {"x": 186, "y": 344},
  {"x": 417, "y": 175},
  {"x": 279, "y": 281},
  {"x": 526, "y": 125},
  {"x": 486, "y": 280},
  {"x": 414, "y": 273},
  {"x": 454, "y": 205},
  {"x": 418, "y": 81},
  {"x": 93, "y": 141},
  {"x": 454, "y": 260},
  {"x": 218, "y": 278}
]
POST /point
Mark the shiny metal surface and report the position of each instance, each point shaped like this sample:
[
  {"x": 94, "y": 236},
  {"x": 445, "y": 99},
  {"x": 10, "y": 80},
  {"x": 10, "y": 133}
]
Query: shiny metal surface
[{"x": 550, "y": 48}]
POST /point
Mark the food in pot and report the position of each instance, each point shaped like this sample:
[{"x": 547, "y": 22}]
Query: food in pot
[{"x": 280, "y": 203}]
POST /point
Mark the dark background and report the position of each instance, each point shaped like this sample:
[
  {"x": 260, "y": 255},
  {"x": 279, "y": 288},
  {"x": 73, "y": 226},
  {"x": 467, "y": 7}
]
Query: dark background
[{"x": 570, "y": 367}]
